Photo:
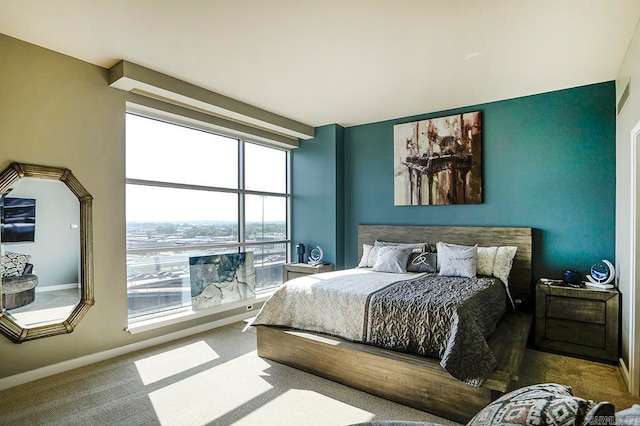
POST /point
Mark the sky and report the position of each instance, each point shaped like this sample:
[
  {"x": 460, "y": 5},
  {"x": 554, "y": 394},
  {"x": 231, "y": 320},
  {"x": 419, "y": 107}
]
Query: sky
[{"x": 165, "y": 152}]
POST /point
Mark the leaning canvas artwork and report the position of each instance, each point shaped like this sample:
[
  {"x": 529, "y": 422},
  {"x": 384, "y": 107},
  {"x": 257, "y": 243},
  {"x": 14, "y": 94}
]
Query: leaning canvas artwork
[
  {"x": 438, "y": 161},
  {"x": 221, "y": 278}
]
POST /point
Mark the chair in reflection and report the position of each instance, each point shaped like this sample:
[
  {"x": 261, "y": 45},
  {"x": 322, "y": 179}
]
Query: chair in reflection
[{"x": 19, "y": 290}]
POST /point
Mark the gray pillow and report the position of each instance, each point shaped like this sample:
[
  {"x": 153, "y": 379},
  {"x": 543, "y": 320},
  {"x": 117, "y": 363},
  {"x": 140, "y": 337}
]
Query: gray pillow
[
  {"x": 422, "y": 262},
  {"x": 392, "y": 259},
  {"x": 415, "y": 247},
  {"x": 457, "y": 261}
]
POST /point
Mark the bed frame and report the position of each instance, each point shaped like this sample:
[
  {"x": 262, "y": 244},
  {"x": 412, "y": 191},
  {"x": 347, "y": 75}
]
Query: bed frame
[{"x": 413, "y": 380}]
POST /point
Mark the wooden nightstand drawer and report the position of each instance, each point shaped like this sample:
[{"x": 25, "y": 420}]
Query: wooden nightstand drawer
[
  {"x": 579, "y": 333},
  {"x": 574, "y": 309},
  {"x": 578, "y": 321}
]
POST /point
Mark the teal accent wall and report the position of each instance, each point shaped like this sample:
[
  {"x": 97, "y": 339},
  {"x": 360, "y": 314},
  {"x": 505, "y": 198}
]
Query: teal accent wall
[
  {"x": 548, "y": 163},
  {"x": 317, "y": 190}
]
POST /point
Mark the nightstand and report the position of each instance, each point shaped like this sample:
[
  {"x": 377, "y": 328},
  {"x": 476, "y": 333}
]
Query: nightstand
[
  {"x": 295, "y": 270},
  {"x": 578, "y": 321}
]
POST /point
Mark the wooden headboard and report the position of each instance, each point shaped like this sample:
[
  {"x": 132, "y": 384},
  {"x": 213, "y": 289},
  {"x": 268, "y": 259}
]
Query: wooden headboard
[{"x": 520, "y": 283}]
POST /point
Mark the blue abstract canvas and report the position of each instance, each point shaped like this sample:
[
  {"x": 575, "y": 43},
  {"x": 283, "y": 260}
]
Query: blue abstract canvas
[
  {"x": 17, "y": 219},
  {"x": 221, "y": 278}
]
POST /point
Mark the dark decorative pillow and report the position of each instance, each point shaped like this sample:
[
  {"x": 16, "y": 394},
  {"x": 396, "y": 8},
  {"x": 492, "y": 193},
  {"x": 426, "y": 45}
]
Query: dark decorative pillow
[
  {"x": 13, "y": 264},
  {"x": 422, "y": 262},
  {"x": 542, "y": 405}
]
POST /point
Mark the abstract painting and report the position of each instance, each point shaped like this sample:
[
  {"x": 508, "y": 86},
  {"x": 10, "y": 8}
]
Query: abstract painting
[
  {"x": 221, "y": 278},
  {"x": 438, "y": 161}
]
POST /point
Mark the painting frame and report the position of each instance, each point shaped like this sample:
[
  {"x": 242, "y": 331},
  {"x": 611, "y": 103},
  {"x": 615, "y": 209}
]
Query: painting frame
[{"x": 438, "y": 161}]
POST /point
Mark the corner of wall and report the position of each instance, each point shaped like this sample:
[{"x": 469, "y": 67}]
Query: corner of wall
[
  {"x": 318, "y": 192},
  {"x": 340, "y": 201}
]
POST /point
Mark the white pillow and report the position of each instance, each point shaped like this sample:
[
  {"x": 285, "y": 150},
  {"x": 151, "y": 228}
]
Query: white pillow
[
  {"x": 439, "y": 248},
  {"x": 369, "y": 256},
  {"x": 392, "y": 259},
  {"x": 373, "y": 256},
  {"x": 503, "y": 263},
  {"x": 366, "y": 249},
  {"x": 486, "y": 260},
  {"x": 457, "y": 261}
]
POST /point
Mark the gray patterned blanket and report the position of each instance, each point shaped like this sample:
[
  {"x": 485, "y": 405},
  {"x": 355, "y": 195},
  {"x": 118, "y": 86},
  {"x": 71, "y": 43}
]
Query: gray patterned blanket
[{"x": 442, "y": 317}]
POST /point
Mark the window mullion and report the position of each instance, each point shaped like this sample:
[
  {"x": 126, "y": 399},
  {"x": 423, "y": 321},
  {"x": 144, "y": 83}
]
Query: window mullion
[
  {"x": 288, "y": 209},
  {"x": 162, "y": 184},
  {"x": 241, "y": 196}
]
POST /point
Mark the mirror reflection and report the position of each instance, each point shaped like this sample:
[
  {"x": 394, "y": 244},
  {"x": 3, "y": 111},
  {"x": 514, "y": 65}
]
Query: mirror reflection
[
  {"x": 41, "y": 247},
  {"x": 47, "y": 251}
]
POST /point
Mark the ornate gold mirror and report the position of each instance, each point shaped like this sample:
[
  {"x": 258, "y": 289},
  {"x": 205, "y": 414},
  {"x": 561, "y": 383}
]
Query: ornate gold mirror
[{"x": 47, "y": 260}]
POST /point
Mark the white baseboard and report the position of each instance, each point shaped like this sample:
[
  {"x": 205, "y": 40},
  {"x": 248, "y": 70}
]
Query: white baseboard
[
  {"x": 57, "y": 287},
  {"x": 61, "y": 367},
  {"x": 624, "y": 372}
]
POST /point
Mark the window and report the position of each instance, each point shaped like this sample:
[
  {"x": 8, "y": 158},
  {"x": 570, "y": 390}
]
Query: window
[{"x": 190, "y": 193}]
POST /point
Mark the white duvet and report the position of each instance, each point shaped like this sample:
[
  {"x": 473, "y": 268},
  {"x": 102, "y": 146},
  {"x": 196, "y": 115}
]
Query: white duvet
[{"x": 336, "y": 306}]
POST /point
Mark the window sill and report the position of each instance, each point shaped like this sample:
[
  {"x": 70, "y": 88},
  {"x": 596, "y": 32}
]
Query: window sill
[{"x": 189, "y": 314}]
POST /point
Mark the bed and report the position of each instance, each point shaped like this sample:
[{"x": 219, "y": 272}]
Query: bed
[{"x": 419, "y": 381}]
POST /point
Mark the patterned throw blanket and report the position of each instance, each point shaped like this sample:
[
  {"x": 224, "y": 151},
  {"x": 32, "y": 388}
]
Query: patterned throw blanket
[{"x": 441, "y": 317}]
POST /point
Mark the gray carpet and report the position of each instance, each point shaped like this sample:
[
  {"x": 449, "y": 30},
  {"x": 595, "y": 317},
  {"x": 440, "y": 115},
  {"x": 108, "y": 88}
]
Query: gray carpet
[
  {"x": 589, "y": 380},
  {"x": 210, "y": 378},
  {"x": 216, "y": 378}
]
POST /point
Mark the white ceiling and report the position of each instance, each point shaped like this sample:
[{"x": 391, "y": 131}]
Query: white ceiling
[{"x": 344, "y": 61}]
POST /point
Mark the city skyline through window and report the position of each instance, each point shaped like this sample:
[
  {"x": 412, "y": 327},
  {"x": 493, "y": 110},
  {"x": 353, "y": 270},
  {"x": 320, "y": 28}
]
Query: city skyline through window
[{"x": 194, "y": 193}]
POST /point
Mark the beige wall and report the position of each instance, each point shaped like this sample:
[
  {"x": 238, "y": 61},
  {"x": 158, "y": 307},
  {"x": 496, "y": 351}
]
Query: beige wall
[
  {"x": 627, "y": 120},
  {"x": 59, "y": 111}
]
